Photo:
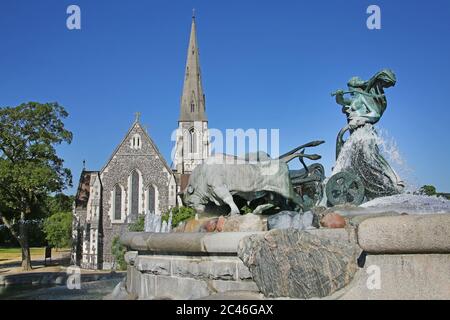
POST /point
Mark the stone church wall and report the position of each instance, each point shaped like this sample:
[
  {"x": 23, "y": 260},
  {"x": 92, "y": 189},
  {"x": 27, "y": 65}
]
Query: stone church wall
[{"x": 152, "y": 171}]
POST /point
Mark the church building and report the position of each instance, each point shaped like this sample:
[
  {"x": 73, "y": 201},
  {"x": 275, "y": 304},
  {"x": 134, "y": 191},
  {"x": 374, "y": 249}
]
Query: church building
[{"x": 136, "y": 180}]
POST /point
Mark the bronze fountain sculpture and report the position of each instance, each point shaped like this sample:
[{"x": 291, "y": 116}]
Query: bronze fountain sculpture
[{"x": 361, "y": 173}]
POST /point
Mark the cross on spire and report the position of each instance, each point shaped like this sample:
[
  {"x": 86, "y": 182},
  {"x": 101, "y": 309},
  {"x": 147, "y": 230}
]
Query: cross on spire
[{"x": 193, "y": 13}]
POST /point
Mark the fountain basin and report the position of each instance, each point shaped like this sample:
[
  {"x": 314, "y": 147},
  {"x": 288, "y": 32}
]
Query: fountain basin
[{"x": 204, "y": 265}]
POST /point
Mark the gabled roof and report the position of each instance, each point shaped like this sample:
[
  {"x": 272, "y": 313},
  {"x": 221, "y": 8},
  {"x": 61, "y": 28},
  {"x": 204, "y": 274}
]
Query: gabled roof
[{"x": 146, "y": 135}]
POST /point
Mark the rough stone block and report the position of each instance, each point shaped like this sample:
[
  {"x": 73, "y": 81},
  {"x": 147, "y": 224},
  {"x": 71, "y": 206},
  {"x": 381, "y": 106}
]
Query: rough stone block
[
  {"x": 243, "y": 272},
  {"x": 290, "y": 219},
  {"x": 333, "y": 221},
  {"x": 154, "y": 265},
  {"x": 296, "y": 264},
  {"x": 342, "y": 235},
  {"x": 204, "y": 268},
  {"x": 245, "y": 223},
  {"x": 224, "y": 286}
]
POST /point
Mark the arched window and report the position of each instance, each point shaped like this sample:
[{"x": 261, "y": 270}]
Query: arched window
[
  {"x": 192, "y": 106},
  {"x": 134, "y": 196},
  {"x": 151, "y": 199},
  {"x": 135, "y": 142},
  {"x": 192, "y": 141},
  {"x": 117, "y": 203}
]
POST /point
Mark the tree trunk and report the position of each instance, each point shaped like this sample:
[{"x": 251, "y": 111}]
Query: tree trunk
[
  {"x": 22, "y": 238},
  {"x": 26, "y": 256}
]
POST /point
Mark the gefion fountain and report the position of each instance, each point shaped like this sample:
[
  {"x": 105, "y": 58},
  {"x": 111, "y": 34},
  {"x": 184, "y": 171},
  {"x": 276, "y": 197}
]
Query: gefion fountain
[{"x": 353, "y": 235}]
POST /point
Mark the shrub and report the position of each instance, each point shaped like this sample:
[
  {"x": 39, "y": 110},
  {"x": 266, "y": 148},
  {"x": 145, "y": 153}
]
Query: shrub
[
  {"x": 118, "y": 251},
  {"x": 179, "y": 214},
  {"x": 138, "y": 225}
]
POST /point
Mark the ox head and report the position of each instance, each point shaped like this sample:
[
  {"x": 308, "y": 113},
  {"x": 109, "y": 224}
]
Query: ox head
[{"x": 192, "y": 198}]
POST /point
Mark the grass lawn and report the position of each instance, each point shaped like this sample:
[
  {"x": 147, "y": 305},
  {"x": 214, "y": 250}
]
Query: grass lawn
[{"x": 16, "y": 253}]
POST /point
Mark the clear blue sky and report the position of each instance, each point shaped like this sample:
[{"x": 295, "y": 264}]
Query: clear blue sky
[{"x": 266, "y": 64}]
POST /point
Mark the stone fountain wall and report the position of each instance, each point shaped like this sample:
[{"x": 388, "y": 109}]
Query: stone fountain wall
[
  {"x": 408, "y": 255},
  {"x": 185, "y": 265},
  {"x": 187, "y": 277}
]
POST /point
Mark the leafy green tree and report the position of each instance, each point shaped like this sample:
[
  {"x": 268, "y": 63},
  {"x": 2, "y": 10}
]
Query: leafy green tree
[
  {"x": 429, "y": 190},
  {"x": 58, "y": 230},
  {"x": 36, "y": 236},
  {"x": 59, "y": 203},
  {"x": 30, "y": 168}
]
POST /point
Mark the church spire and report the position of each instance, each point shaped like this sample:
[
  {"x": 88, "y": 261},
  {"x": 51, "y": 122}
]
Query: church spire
[{"x": 193, "y": 99}]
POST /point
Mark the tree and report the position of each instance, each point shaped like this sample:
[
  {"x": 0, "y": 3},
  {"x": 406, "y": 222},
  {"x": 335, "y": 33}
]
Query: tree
[
  {"x": 428, "y": 190},
  {"x": 36, "y": 236},
  {"x": 59, "y": 203},
  {"x": 58, "y": 229},
  {"x": 30, "y": 169}
]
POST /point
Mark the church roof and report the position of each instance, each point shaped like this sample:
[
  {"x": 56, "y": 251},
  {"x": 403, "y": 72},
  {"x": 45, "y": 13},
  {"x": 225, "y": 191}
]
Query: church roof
[
  {"x": 193, "y": 99},
  {"x": 84, "y": 187},
  {"x": 147, "y": 136}
]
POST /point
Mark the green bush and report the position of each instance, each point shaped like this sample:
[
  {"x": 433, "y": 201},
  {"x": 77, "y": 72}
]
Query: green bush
[
  {"x": 118, "y": 251},
  {"x": 58, "y": 230},
  {"x": 138, "y": 225},
  {"x": 179, "y": 214}
]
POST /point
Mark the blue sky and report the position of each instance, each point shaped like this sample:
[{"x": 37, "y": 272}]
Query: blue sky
[{"x": 265, "y": 64}]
